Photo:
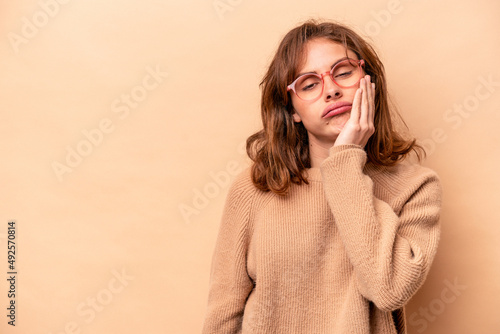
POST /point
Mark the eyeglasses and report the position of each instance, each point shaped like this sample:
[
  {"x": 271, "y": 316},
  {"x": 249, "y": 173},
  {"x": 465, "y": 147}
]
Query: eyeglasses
[{"x": 345, "y": 74}]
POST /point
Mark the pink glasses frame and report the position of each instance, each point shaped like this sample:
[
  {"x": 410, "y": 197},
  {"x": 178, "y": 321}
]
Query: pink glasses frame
[{"x": 361, "y": 64}]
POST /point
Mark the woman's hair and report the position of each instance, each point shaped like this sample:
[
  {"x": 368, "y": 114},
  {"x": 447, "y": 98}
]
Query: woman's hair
[{"x": 280, "y": 151}]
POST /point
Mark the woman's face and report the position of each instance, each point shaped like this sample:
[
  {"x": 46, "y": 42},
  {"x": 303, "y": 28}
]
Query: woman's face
[{"x": 320, "y": 56}]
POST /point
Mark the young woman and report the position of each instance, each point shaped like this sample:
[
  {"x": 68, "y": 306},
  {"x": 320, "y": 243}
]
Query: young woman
[{"x": 331, "y": 230}]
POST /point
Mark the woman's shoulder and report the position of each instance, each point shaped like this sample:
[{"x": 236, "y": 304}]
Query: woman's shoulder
[
  {"x": 242, "y": 180},
  {"x": 242, "y": 186}
]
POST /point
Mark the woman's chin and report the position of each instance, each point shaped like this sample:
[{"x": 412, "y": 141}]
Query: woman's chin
[{"x": 339, "y": 121}]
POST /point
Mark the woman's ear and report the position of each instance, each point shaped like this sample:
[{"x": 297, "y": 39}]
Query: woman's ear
[{"x": 296, "y": 117}]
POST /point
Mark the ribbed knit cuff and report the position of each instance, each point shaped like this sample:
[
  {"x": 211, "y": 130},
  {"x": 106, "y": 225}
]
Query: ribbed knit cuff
[
  {"x": 345, "y": 155},
  {"x": 344, "y": 147}
]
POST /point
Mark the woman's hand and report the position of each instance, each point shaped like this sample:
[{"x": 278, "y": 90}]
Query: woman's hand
[{"x": 359, "y": 127}]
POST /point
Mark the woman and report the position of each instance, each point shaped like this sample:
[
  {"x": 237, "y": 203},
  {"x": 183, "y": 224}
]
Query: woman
[{"x": 331, "y": 230}]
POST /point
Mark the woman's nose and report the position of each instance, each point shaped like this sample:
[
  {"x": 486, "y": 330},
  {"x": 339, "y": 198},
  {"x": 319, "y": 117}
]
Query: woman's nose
[{"x": 331, "y": 89}]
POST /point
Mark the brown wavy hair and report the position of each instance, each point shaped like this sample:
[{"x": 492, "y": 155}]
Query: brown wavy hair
[{"x": 280, "y": 151}]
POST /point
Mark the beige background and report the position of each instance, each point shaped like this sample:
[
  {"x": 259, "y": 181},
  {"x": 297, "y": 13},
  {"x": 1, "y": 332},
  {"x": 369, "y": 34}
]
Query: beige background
[{"x": 104, "y": 246}]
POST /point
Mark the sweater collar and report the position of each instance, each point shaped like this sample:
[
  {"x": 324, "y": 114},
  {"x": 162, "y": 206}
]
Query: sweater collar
[{"x": 314, "y": 173}]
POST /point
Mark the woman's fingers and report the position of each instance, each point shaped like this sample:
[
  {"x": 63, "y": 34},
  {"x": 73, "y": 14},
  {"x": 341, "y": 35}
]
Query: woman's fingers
[
  {"x": 365, "y": 104},
  {"x": 356, "y": 105},
  {"x": 368, "y": 109},
  {"x": 371, "y": 109},
  {"x": 372, "y": 102}
]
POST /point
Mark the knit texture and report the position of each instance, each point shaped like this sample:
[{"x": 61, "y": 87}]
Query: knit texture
[{"x": 343, "y": 254}]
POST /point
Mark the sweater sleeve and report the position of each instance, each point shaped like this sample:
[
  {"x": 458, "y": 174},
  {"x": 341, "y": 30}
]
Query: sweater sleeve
[
  {"x": 391, "y": 252},
  {"x": 229, "y": 284}
]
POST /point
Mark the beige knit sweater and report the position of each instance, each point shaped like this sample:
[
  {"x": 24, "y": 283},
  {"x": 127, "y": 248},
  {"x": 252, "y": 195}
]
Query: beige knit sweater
[{"x": 343, "y": 254}]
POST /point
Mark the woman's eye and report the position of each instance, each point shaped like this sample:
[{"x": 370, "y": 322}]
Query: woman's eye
[
  {"x": 309, "y": 87},
  {"x": 345, "y": 74}
]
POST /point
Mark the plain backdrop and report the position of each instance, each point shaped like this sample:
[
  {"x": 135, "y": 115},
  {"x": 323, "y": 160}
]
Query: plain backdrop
[{"x": 124, "y": 122}]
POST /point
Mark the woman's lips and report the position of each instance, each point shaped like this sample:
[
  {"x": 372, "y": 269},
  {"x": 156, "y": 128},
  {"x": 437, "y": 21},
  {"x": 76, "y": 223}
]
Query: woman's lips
[{"x": 337, "y": 111}]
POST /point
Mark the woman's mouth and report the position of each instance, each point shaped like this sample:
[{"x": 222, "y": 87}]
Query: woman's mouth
[{"x": 337, "y": 111}]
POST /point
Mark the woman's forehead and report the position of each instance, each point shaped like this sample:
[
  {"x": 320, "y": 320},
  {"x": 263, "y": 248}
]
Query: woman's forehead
[{"x": 321, "y": 52}]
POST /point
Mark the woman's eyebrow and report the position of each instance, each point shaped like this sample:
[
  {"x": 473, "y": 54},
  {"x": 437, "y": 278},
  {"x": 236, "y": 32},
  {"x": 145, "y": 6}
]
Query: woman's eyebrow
[{"x": 338, "y": 61}]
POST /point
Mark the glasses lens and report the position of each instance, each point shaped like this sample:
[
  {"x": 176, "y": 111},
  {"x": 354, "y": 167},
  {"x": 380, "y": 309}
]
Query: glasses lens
[
  {"x": 346, "y": 73},
  {"x": 309, "y": 86}
]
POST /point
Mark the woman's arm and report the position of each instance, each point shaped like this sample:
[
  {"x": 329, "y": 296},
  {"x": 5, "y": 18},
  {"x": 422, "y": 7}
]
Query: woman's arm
[
  {"x": 391, "y": 251},
  {"x": 230, "y": 284}
]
